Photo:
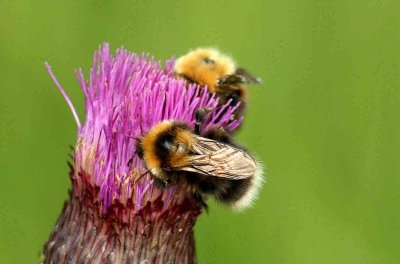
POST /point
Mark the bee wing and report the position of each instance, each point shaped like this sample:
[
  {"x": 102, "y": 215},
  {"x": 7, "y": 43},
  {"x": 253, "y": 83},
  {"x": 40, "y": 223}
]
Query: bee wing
[
  {"x": 246, "y": 76},
  {"x": 230, "y": 79},
  {"x": 239, "y": 76},
  {"x": 216, "y": 159}
]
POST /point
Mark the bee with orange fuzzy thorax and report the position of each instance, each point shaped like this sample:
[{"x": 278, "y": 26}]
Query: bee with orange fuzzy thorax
[
  {"x": 209, "y": 165},
  {"x": 208, "y": 67}
]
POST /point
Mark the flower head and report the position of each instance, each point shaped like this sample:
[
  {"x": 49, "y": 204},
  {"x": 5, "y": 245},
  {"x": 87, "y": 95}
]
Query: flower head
[{"x": 124, "y": 97}]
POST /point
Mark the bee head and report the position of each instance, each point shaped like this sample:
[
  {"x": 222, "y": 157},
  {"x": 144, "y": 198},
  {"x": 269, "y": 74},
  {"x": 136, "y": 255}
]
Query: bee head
[
  {"x": 204, "y": 66},
  {"x": 163, "y": 144},
  {"x": 175, "y": 148},
  {"x": 172, "y": 143}
]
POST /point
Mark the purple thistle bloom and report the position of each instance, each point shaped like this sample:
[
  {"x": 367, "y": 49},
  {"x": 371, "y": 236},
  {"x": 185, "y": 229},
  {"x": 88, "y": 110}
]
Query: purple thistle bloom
[{"x": 125, "y": 96}]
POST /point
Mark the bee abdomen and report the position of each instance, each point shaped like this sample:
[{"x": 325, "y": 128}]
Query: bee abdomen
[{"x": 235, "y": 191}]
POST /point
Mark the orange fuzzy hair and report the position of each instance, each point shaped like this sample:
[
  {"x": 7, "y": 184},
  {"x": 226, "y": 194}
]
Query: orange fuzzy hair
[{"x": 192, "y": 66}]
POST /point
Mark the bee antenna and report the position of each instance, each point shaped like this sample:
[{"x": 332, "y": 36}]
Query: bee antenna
[{"x": 130, "y": 161}]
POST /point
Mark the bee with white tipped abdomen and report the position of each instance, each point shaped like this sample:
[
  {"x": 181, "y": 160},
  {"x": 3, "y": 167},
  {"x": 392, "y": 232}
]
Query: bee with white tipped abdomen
[
  {"x": 208, "y": 67},
  {"x": 209, "y": 165}
]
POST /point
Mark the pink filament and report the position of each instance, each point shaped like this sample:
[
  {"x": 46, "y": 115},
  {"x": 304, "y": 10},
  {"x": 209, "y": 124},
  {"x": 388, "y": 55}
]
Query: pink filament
[{"x": 64, "y": 94}]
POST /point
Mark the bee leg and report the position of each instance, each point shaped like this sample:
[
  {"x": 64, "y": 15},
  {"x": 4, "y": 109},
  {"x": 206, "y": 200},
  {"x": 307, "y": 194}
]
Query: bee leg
[
  {"x": 160, "y": 183},
  {"x": 200, "y": 115},
  {"x": 219, "y": 134},
  {"x": 139, "y": 152},
  {"x": 200, "y": 200}
]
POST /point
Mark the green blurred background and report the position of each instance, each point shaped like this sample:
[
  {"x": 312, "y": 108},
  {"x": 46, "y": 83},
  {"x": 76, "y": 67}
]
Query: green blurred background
[{"x": 325, "y": 122}]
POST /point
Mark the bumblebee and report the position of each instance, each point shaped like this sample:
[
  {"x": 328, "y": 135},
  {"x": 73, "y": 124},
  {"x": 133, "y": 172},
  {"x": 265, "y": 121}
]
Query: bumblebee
[
  {"x": 208, "y": 67},
  {"x": 209, "y": 165}
]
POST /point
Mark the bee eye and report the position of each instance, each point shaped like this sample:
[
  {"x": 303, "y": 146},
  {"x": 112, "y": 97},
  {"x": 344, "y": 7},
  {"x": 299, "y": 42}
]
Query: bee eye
[
  {"x": 208, "y": 61},
  {"x": 181, "y": 148}
]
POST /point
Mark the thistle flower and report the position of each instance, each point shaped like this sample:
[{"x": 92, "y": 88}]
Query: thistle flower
[{"x": 115, "y": 213}]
